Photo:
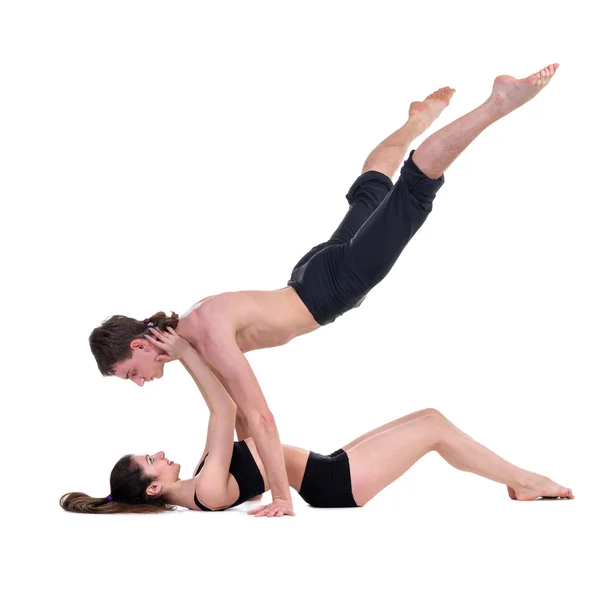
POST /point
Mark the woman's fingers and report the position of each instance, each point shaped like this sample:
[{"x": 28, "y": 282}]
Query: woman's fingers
[
  {"x": 156, "y": 342},
  {"x": 172, "y": 331},
  {"x": 159, "y": 334}
]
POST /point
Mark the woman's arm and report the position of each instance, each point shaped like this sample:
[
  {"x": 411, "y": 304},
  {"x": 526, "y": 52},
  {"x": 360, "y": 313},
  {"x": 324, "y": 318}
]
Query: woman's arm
[
  {"x": 225, "y": 357},
  {"x": 212, "y": 483}
]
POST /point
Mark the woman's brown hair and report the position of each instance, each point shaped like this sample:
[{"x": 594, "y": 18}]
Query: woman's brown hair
[
  {"x": 128, "y": 484},
  {"x": 110, "y": 342}
]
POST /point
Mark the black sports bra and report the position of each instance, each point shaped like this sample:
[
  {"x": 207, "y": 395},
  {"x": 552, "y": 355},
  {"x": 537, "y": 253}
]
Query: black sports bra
[{"x": 245, "y": 471}]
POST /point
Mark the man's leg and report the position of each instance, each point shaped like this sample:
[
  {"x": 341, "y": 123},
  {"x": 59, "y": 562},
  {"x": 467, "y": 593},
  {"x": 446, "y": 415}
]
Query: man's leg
[
  {"x": 388, "y": 155},
  {"x": 367, "y": 192},
  {"x": 376, "y": 247},
  {"x": 440, "y": 150}
]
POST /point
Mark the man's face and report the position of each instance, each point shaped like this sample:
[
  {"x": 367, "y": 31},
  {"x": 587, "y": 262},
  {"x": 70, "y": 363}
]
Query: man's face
[{"x": 143, "y": 365}]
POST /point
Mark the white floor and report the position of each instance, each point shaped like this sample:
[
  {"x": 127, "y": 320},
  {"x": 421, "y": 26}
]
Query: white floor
[{"x": 464, "y": 539}]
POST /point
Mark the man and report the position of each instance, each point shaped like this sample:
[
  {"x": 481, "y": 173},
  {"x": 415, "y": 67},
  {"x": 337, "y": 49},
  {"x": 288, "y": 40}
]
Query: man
[{"x": 329, "y": 280}]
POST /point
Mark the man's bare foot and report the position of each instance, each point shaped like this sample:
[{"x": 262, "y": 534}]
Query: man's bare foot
[
  {"x": 509, "y": 93},
  {"x": 536, "y": 486},
  {"x": 429, "y": 110}
]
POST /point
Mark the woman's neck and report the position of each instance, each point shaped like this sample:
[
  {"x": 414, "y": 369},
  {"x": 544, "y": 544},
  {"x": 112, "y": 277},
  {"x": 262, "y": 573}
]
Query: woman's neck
[{"x": 181, "y": 493}]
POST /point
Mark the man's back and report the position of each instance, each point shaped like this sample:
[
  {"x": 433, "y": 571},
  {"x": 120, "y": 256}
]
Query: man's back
[{"x": 257, "y": 319}]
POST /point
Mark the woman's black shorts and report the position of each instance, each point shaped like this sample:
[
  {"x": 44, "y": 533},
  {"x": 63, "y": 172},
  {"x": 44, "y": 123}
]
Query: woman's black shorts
[
  {"x": 326, "y": 482},
  {"x": 336, "y": 275}
]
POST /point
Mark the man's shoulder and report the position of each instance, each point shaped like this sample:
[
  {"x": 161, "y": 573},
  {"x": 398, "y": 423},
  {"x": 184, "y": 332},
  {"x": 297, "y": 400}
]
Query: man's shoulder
[
  {"x": 203, "y": 312},
  {"x": 209, "y": 322}
]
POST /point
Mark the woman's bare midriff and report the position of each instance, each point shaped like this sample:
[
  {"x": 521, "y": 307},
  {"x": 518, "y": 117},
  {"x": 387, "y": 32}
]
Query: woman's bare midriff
[
  {"x": 260, "y": 319},
  {"x": 295, "y": 463}
]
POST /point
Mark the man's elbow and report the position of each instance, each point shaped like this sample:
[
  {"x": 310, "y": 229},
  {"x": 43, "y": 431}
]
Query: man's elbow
[{"x": 261, "y": 422}]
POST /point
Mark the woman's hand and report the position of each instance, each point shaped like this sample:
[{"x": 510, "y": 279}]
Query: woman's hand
[{"x": 170, "y": 342}]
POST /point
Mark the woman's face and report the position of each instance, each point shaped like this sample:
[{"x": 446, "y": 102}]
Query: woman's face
[{"x": 157, "y": 467}]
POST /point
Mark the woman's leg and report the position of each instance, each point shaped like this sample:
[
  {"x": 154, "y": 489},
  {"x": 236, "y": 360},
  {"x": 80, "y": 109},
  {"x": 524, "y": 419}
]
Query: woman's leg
[
  {"x": 381, "y": 459},
  {"x": 390, "y": 425}
]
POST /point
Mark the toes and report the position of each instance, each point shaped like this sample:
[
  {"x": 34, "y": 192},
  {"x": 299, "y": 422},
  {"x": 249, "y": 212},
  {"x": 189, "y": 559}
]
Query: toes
[{"x": 535, "y": 78}]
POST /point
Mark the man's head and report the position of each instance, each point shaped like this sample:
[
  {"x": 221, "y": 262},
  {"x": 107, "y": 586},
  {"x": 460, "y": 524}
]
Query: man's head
[{"x": 120, "y": 348}]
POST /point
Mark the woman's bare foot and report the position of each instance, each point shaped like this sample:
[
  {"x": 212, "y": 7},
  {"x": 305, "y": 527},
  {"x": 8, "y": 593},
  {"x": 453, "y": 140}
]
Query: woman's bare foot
[
  {"x": 536, "y": 486},
  {"x": 509, "y": 93},
  {"x": 431, "y": 108}
]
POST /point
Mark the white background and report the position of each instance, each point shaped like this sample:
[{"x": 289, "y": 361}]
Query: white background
[{"x": 156, "y": 153}]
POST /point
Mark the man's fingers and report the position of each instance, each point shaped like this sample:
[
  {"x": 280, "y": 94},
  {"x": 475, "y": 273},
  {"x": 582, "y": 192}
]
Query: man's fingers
[{"x": 271, "y": 510}]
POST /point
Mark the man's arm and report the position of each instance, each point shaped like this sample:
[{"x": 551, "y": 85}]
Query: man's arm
[
  {"x": 241, "y": 424},
  {"x": 233, "y": 370}
]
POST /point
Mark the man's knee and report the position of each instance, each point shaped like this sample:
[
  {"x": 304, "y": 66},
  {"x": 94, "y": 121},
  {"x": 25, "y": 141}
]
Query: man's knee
[
  {"x": 418, "y": 183},
  {"x": 371, "y": 187}
]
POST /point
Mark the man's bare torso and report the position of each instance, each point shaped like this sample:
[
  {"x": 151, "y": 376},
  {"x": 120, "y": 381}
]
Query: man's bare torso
[{"x": 258, "y": 319}]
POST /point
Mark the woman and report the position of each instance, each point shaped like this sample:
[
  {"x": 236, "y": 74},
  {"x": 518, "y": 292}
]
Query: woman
[{"x": 230, "y": 473}]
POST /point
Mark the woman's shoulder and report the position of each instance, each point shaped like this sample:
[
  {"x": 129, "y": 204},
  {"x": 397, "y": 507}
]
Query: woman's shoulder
[{"x": 210, "y": 489}]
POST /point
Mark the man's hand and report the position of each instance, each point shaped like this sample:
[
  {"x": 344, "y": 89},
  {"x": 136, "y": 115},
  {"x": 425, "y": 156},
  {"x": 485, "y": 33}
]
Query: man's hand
[
  {"x": 169, "y": 342},
  {"x": 277, "y": 508}
]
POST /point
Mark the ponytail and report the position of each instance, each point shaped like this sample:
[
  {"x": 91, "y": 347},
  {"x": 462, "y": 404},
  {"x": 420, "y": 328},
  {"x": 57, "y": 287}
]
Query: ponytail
[
  {"x": 128, "y": 484},
  {"x": 82, "y": 503},
  {"x": 161, "y": 321}
]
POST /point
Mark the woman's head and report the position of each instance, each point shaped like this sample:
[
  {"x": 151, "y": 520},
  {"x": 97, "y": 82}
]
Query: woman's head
[
  {"x": 120, "y": 348},
  {"x": 138, "y": 483}
]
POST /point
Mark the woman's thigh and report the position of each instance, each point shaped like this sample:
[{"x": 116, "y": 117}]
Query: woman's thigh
[
  {"x": 391, "y": 425},
  {"x": 383, "y": 458}
]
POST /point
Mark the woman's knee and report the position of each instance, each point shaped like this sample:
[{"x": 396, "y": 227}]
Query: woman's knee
[
  {"x": 434, "y": 412},
  {"x": 435, "y": 425}
]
